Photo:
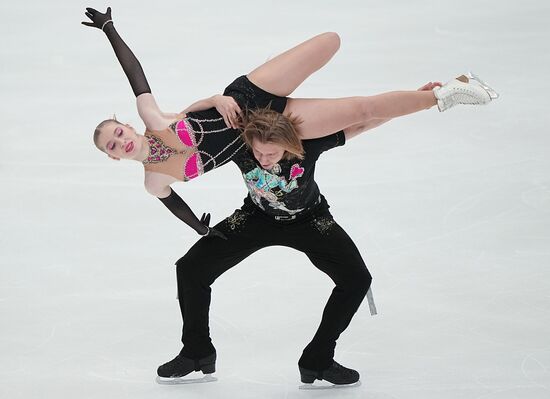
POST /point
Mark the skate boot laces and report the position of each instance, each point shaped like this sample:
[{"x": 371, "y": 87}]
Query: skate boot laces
[{"x": 465, "y": 89}]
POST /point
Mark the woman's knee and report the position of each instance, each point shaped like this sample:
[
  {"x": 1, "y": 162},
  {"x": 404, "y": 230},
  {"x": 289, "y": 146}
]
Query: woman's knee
[
  {"x": 359, "y": 110},
  {"x": 333, "y": 40},
  {"x": 366, "y": 108}
]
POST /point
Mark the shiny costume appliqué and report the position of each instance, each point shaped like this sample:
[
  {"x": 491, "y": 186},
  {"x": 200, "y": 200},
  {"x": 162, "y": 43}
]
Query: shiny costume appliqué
[
  {"x": 202, "y": 144},
  {"x": 236, "y": 221},
  {"x": 323, "y": 224},
  {"x": 196, "y": 138}
]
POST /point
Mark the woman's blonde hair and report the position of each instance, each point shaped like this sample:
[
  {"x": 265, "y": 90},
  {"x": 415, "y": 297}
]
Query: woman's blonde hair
[
  {"x": 97, "y": 130},
  {"x": 269, "y": 126}
]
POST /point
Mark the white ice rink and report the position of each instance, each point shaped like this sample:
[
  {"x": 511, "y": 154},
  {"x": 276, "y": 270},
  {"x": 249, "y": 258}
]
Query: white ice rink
[{"x": 450, "y": 210}]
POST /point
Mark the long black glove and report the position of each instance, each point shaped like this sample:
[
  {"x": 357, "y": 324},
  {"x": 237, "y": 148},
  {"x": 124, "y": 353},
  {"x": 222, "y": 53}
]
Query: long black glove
[
  {"x": 181, "y": 210},
  {"x": 127, "y": 59},
  {"x": 212, "y": 232}
]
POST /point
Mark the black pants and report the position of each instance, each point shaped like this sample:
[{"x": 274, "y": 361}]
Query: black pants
[{"x": 317, "y": 235}]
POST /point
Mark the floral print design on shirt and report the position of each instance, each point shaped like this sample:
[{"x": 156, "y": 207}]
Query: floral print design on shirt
[{"x": 262, "y": 183}]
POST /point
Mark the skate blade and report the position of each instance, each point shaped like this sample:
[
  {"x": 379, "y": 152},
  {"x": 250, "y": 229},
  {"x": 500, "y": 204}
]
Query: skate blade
[
  {"x": 183, "y": 380},
  {"x": 492, "y": 93},
  {"x": 328, "y": 385}
]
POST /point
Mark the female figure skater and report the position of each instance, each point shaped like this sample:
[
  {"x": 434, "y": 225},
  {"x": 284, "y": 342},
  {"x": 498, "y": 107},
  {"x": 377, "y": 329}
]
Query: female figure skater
[{"x": 180, "y": 147}]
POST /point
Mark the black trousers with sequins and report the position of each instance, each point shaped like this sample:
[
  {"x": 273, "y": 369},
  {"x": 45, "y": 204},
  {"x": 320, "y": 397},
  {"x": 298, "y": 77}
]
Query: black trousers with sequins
[{"x": 317, "y": 235}]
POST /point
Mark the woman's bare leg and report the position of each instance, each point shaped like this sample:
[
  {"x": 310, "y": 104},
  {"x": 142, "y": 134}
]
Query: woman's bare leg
[
  {"x": 284, "y": 73},
  {"x": 354, "y": 130},
  {"x": 321, "y": 117},
  {"x": 358, "y": 128}
]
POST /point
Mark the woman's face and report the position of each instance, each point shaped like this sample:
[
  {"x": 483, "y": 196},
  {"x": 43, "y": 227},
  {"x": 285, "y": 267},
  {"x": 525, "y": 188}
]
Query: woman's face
[
  {"x": 267, "y": 154},
  {"x": 119, "y": 141}
]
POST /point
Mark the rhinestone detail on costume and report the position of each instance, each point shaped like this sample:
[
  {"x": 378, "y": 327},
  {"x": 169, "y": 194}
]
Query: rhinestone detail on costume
[
  {"x": 236, "y": 220},
  {"x": 158, "y": 151},
  {"x": 216, "y": 159},
  {"x": 323, "y": 224}
]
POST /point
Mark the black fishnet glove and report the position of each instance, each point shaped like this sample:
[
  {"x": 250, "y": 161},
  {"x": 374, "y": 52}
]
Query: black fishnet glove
[
  {"x": 128, "y": 61},
  {"x": 181, "y": 210},
  {"x": 98, "y": 19},
  {"x": 211, "y": 232}
]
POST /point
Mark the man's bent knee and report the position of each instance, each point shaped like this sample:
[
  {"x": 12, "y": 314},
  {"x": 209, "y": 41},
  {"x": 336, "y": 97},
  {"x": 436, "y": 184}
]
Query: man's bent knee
[{"x": 360, "y": 282}]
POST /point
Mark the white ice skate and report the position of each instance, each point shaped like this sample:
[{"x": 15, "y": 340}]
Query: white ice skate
[{"x": 466, "y": 89}]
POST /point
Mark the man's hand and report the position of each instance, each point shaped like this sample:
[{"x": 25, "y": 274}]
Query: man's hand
[
  {"x": 229, "y": 109},
  {"x": 430, "y": 86}
]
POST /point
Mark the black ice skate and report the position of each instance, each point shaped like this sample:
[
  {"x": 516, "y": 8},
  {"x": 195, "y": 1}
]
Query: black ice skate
[
  {"x": 336, "y": 374},
  {"x": 173, "y": 371}
]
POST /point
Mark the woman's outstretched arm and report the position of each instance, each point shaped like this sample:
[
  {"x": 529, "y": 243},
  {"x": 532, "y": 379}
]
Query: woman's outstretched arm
[
  {"x": 128, "y": 61},
  {"x": 147, "y": 106},
  {"x": 158, "y": 185},
  {"x": 181, "y": 210}
]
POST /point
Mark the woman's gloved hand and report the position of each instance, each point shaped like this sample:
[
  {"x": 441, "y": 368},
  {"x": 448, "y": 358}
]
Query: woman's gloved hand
[
  {"x": 99, "y": 20},
  {"x": 210, "y": 231}
]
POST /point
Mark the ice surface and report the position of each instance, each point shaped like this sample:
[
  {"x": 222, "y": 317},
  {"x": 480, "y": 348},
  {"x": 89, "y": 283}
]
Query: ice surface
[{"x": 451, "y": 211}]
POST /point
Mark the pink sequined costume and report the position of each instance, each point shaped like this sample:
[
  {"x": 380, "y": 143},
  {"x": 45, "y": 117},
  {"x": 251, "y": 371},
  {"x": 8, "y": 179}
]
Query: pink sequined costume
[{"x": 192, "y": 146}]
